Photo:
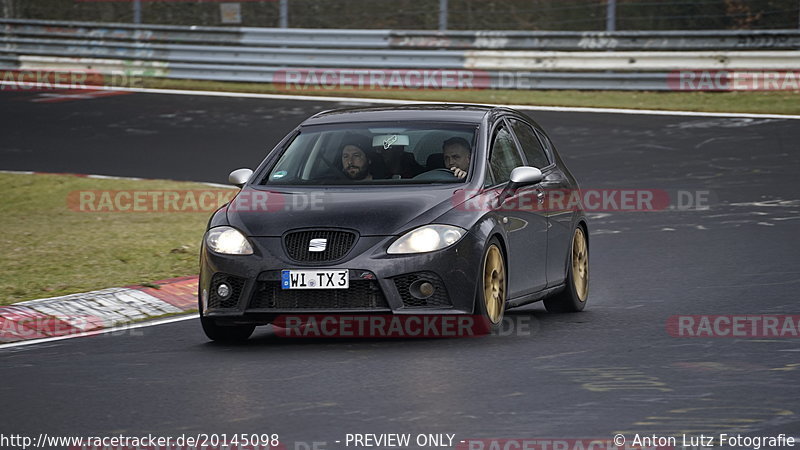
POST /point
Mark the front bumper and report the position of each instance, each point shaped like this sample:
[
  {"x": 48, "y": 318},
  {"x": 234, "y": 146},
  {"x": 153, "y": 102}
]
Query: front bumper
[{"x": 379, "y": 283}]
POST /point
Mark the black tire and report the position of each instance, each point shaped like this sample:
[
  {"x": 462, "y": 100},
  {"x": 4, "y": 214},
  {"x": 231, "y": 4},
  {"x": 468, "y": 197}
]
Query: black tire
[
  {"x": 490, "y": 301},
  {"x": 226, "y": 334},
  {"x": 576, "y": 290}
]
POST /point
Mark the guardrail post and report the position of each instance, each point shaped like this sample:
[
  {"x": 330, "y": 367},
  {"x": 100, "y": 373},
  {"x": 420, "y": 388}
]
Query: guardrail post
[
  {"x": 442, "y": 15},
  {"x": 137, "y": 11},
  {"x": 611, "y": 15},
  {"x": 284, "y": 14}
]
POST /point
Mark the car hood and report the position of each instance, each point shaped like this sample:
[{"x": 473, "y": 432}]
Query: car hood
[{"x": 385, "y": 211}]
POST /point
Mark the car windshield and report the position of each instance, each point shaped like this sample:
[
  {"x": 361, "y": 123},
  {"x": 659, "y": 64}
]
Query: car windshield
[{"x": 376, "y": 153}]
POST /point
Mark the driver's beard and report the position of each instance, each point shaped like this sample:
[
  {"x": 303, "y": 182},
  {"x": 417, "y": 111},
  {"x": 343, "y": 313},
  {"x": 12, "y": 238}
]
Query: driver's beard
[{"x": 360, "y": 175}]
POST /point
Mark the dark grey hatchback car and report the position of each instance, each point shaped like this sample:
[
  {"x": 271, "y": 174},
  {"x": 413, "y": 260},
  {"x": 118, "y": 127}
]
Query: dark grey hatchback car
[{"x": 417, "y": 209}]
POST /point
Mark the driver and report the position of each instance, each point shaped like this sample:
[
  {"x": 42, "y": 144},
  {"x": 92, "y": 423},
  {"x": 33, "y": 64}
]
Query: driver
[
  {"x": 355, "y": 160},
  {"x": 457, "y": 155}
]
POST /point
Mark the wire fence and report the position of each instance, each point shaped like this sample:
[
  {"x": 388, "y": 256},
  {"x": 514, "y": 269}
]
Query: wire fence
[{"x": 525, "y": 15}]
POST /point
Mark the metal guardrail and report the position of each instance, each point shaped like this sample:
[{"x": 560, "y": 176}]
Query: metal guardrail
[
  {"x": 592, "y": 40},
  {"x": 507, "y": 60},
  {"x": 446, "y": 59},
  {"x": 633, "y": 61},
  {"x": 350, "y": 78}
]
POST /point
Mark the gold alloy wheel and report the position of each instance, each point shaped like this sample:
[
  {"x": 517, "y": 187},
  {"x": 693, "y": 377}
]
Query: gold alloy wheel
[
  {"x": 580, "y": 264},
  {"x": 494, "y": 284}
]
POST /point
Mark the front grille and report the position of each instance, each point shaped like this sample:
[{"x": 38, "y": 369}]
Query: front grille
[
  {"x": 439, "y": 299},
  {"x": 232, "y": 301},
  {"x": 338, "y": 243},
  {"x": 362, "y": 294}
]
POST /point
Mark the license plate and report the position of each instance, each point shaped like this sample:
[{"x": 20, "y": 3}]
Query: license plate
[{"x": 315, "y": 279}]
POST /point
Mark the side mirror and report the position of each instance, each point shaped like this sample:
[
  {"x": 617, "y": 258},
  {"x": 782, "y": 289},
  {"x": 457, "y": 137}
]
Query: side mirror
[
  {"x": 240, "y": 176},
  {"x": 525, "y": 175},
  {"x": 520, "y": 176}
]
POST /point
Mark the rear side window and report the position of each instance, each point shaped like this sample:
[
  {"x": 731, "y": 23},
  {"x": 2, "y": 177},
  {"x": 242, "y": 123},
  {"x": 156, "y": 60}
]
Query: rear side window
[
  {"x": 505, "y": 156},
  {"x": 531, "y": 146}
]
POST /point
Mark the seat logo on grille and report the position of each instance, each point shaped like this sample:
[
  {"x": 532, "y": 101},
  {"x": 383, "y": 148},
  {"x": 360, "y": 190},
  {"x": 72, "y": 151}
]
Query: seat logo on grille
[{"x": 317, "y": 245}]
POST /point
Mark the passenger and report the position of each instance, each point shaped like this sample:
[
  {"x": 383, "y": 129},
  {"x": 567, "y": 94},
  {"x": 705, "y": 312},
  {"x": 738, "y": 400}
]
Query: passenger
[
  {"x": 356, "y": 161},
  {"x": 457, "y": 154}
]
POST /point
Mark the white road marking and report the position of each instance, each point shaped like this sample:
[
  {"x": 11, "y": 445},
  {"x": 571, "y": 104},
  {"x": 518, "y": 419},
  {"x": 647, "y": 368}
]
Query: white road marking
[
  {"x": 105, "y": 331},
  {"x": 49, "y": 97},
  {"x": 71, "y": 94},
  {"x": 650, "y": 112}
]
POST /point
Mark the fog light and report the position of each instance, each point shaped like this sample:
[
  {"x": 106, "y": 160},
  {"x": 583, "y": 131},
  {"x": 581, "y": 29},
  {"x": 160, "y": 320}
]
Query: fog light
[
  {"x": 426, "y": 289},
  {"x": 421, "y": 289},
  {"x": 224, "y": 291}
]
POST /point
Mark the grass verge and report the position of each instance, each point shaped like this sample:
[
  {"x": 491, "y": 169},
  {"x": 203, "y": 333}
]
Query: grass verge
[
  {"x": 767, "y": 102},
  {"x": 49, "y": 249}
]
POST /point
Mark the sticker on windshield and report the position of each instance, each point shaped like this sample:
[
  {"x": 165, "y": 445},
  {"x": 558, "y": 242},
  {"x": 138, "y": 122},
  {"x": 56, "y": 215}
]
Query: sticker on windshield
[
  {"x": 279, "y": 174},
  {"x": 389, "y": 141}
]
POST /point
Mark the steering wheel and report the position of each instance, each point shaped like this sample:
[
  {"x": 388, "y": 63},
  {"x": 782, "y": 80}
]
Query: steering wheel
[{"x": 437, "y": 175}]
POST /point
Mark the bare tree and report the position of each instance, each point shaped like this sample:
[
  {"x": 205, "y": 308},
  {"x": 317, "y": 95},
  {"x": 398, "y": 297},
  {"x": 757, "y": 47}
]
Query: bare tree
[
  {"x": 740, "y": 14},
  {"x": 8, "y": 9}
]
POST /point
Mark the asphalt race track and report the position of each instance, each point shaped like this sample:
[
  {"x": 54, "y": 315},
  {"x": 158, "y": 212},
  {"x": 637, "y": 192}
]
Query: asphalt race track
[{"x": 614, "y": 368}]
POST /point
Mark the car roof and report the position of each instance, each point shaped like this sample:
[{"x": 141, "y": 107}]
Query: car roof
[{"x": 416, "y": 112}]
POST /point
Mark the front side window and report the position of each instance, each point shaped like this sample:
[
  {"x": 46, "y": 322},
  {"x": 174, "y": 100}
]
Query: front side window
[
  {"x": 376, "y": 153},
  {"x": 533, "y": 149},
  {"x": 504, "y": 155}
]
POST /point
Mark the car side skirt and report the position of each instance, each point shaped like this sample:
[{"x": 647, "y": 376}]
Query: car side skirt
[{"x": 535, "y": 296}]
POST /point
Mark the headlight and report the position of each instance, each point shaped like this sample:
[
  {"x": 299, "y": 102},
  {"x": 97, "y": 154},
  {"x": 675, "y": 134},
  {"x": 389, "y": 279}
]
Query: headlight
[
  {"x": 427, "y": 239},
  {"x": 228, "y": 241}
]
